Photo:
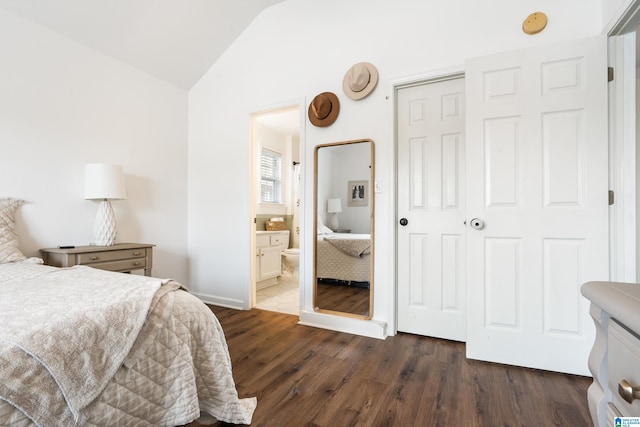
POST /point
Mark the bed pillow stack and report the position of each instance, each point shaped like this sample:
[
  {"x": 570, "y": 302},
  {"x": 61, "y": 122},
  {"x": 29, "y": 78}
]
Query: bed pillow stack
[{"x": 9, "y": 251}]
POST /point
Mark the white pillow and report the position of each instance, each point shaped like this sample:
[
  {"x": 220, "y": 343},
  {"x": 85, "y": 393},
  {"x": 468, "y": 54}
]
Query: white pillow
[
  {"x": 320, "y": 225},
  {"x": 322, "y": 229},
  {"x": 9, "y": 251},
  {"x": 326, "y": 230}
]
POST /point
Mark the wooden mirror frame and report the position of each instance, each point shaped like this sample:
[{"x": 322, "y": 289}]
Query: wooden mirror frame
[{"x": 370, "y": 193}]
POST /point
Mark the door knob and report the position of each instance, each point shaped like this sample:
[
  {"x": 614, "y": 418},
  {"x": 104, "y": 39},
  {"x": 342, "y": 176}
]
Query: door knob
[
  {"x": 477, "y": 224},
  {"x": 403, "y": 221}
]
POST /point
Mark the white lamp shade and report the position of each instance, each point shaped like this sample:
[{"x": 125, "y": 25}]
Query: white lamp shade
[
  {"x": 334, "y": 205},
  {"x": 103, "y": 181}
]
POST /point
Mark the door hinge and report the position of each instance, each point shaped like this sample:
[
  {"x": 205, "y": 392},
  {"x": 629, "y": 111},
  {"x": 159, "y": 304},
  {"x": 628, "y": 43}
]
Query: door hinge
[
  {"x": 611, "y": 197},
  {"x": 255, "y": 220},
  {"x": 610, "y": 74}
]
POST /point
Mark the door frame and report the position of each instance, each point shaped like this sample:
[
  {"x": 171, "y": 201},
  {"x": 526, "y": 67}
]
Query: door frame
[
  {"x": 623, "y": 214},
  {"x": 434, "y": 76}
]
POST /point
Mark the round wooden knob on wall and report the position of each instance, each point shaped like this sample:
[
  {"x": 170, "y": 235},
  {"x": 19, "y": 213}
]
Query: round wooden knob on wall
[{"x": 534, "y": 23}]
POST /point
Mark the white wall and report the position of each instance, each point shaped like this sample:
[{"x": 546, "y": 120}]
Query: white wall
[
  {"x": 324, "y": 190},
  {"x": 611, "y": 10},
  {"x": 347, "y": 163},
  {"x": 63, "y": 105},
  {"x": 300, "y": 48}
]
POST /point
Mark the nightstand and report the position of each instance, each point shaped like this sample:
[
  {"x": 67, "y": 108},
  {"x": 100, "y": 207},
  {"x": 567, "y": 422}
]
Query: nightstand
[
  {"x": 122, "y": 257},
  {"x": 615, "y": 354},
  {"x": 341, "y": 230}
]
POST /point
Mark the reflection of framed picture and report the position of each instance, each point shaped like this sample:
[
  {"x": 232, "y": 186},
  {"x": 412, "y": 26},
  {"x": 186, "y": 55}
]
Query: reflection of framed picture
[{"x": 358, "y": 193}]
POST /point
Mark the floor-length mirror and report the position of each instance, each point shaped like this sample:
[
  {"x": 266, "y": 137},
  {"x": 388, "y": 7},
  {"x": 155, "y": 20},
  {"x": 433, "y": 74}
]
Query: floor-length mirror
[{"x": 343, "y": 204}]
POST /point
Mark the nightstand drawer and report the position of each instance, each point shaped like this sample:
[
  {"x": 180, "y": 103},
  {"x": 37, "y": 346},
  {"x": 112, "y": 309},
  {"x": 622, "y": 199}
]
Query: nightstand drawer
[
  {"x": 120, "y": 265},
  {"x": 624, "y": 359},
  {"x": 94, "y": 257}
]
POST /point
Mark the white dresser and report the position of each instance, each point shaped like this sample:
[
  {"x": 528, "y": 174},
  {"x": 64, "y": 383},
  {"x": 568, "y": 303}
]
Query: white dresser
[
  {"x": 615, "y": 358},
  {"x": 269, "y": 247}
]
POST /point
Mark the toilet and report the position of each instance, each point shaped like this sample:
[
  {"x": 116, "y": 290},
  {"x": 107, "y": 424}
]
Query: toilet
[{"x": 292, "y": 260}]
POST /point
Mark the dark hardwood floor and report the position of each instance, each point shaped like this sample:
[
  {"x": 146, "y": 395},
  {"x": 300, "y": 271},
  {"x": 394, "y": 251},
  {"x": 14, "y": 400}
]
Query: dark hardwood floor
[
  {"x": 347, "y": 299},
  {"x": 305, "y": 376}
]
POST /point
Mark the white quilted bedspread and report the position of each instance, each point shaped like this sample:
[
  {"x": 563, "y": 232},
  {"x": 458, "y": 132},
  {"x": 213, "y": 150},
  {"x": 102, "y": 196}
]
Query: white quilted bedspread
[
  {"x": 334, "y": 263},
  {"x": 179, "y": 366}
]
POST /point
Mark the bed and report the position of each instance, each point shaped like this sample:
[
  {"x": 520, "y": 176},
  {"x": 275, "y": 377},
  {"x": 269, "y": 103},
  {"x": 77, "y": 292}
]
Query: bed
[
  {"x": 82, "y": 346},
  {"x": 343, "y": 258}
]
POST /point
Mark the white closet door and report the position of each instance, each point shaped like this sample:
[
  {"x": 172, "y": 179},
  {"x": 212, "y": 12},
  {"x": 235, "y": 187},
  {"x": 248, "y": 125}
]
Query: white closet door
[
  {"x": 431, "y": 198},
  {"x": 537, "y": 173}
]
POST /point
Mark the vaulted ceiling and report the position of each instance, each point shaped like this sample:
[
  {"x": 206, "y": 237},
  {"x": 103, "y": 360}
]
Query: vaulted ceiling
[{"x": 173, "y": 40}]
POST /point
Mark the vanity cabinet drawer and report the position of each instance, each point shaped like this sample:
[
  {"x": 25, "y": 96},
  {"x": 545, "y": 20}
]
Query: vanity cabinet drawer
[
  {"x": 624, "y": 365},
  {"x": 279, "y": 240},
  {"x": 263, "y": 240},
  {"x": 90, "y": 258}
]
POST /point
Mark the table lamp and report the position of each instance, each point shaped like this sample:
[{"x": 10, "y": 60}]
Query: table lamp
[
  {"x": 104, "y": 182},
  {"x": 333, "y": 207}
]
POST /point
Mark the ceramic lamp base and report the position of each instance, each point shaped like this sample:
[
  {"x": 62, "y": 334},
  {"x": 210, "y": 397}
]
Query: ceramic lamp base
[
  {"x": 104, "y": 229},
  {"x": 333, "y": 222}
]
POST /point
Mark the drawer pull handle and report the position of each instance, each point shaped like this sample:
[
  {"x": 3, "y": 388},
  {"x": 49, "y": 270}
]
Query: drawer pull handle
[
  {"x": 94, "y": 258},
  {"x": 136, "y": 253},
  {"x": 136, "y": 264},
  {"x": 627, "y": 392}
]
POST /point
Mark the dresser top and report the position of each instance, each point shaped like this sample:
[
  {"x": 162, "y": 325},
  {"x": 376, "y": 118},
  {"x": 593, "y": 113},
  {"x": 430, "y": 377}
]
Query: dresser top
[
  {"x": 94, "y": 248},
  {"x": 620, "y": 300}
]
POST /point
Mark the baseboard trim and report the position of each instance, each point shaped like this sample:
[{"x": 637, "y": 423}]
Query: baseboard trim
[
  {"x": 367, "y": 328},
  {"x": 220, "y": 301}
]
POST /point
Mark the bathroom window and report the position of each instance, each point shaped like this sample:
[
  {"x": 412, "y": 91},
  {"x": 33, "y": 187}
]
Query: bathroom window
[{"x": 270, "y": 176}]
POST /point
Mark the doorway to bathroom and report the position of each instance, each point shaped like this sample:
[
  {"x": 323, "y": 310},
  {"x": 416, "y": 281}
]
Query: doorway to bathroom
[{"x": 277, "y": 202}]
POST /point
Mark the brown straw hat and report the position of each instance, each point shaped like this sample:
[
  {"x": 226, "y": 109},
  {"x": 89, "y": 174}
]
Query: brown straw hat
[
  {"x": 324, "y": 109},
  {"x": 360, "y": 80}
]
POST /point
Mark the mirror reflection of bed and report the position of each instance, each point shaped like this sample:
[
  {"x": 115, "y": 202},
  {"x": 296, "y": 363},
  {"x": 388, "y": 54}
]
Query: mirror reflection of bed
[
  {"x": 343, "y": 271},
  {"x": 344, "y": 239}
]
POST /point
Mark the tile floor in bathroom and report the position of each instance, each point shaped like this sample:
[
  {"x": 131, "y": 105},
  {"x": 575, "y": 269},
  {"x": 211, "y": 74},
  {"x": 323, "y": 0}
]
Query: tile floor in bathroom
[{"x": 283, "y": 297}]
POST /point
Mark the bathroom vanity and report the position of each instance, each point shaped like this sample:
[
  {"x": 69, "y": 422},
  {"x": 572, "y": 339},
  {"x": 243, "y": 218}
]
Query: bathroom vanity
[
  {"x": 269, "y": 247},
  {"x": 615, "y": 358}
]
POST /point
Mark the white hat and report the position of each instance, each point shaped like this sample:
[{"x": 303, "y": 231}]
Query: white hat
[{"x": 360, "y": 80}]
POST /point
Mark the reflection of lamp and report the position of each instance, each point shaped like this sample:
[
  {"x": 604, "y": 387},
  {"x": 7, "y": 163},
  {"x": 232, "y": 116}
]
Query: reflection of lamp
[
  {"x": 333, "y": 207},
  {"x": 104, "y": 182}
]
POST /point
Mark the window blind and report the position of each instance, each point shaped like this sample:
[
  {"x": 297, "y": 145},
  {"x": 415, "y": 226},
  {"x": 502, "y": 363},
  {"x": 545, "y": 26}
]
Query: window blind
[{"x": 270, "y": 176}]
